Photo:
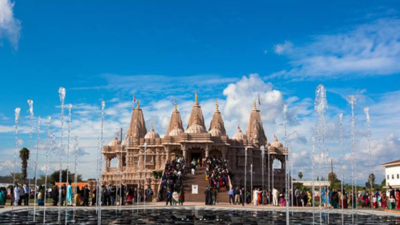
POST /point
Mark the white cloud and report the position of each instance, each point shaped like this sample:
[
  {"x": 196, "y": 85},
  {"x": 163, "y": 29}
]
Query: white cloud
[
  {"x": 283, "y": 48},
  {"x": 10, "y": 27},
  {"x": 365, "y": 50}
]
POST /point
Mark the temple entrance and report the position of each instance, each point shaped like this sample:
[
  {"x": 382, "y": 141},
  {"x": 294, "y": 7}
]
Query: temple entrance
[{"x": 196, "y": 156}]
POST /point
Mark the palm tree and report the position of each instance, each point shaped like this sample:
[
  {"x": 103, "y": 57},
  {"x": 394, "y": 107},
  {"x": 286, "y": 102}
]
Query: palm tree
[
  {"x": 24, "y": 156},
  {"x": 300, "y": 175}
]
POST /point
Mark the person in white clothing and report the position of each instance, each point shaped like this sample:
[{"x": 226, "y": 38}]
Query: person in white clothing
[
  {"x": 275, "y": 197},
  {"x": 16, "y": 194},
  {"x": 255, "y": 194}
]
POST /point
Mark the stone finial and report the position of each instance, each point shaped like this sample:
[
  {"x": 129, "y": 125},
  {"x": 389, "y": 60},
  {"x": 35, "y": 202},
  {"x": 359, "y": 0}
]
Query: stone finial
[
  {"x": 216, "y": 105},
  {"x": 152, "y": 127},
  {"x": 138, "y": 104},
  {"x": 175, "y": 105},
  {"x": 196, "y": 99},
  {"x": 255, "y": 105}
]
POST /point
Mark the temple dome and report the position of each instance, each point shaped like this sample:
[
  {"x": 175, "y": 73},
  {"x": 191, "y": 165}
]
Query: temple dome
[
  {"x": 196, "y": 128},
  {"x": 276, "y": 143},
  {"x": 114, "y": 142},
  {"x": 215, "y": 132},
  {"x": 152, "y": 134},
  {"x": 239, "y": 135},
  {"x": 175, "y": 132}
]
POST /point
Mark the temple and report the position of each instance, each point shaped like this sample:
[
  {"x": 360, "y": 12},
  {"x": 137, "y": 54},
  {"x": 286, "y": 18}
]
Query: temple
[{"x": 142, "y": 152}]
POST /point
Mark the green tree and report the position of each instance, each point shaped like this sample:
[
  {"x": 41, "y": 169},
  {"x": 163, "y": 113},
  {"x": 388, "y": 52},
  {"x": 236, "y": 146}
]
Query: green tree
[
  {"x": 24, "y": 156},
  {"x": 334, "y": 181},
  {"x": 383, "y": 182},
  {"x": 300, "y": 175},
  {"x": 55, "y": 177}
]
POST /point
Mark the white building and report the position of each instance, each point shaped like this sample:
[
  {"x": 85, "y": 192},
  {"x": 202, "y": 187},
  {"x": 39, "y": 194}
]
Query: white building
[{"x": 392, "y": 174}]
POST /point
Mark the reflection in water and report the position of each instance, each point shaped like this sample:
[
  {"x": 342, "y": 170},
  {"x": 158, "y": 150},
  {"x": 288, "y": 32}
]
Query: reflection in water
[{"x": 191, "y": 215}]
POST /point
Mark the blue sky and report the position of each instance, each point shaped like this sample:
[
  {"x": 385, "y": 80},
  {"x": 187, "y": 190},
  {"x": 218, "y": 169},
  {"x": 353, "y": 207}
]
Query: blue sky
[{"x": 108, "y": 50}]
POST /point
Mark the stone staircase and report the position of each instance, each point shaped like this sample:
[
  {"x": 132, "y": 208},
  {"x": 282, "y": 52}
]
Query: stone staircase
[{"x": 200, "y": 179}]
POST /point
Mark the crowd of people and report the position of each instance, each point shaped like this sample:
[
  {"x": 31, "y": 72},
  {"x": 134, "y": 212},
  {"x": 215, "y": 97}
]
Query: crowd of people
[
  {"x": 217, "y": 173},
  {"x": 171, "y": 188},
  {"x": 110, "y": 195}
]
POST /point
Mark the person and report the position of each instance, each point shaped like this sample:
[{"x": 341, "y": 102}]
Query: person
[
  {"x": 175, "y": 198},
  {"x": 243, "y": 196},
  {"x": 54, "y": 194},
  {"x": 169, "y": 197},
  {"x": 297, "y": 197},
  {"x": 40, "y": 200},
  {"x": 231, "y": 196},
  {"x": 309, "y": 196},
  {"x": 384, "y": 200},
  {"x": 78, "y": 196},
  {"x": 113, "y": 192},
  {"x": 237, "y": 196},
  {"x": 256, "y": 195},
  {"x": 63, "y": 194},
  {"x": 214, "y": 196},
  {"x": 181, "y": 197},
  {"x": 275, "y": 197},
  {"x": 86, "y": 194},
  {"x": 16, "y": 194},
  {"x": 335, "y": 198},
  {"x": 392, "y": 201},
  {"x": 94, "y": 196},
  {"x": 69, "y": 194},
  {"x": 374, "y": 201},
  {"x": 22, "y": 195},
  {"x": 3, "y": 196},
  {"x": 207, "y": 195},
  {"x": 27, "y": 191},
  {"x": 149, "y": 193},
  {"x": 323, "y": 194},
  {"x": 397, "y": 199}
]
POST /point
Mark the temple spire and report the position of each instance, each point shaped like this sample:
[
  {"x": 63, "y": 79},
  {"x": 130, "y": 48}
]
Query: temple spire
[
  {"x": 196, "y": 98},
  {"x": 138, "y": 104},
  {"x": 216, "y": 105},
  {"x": 152, "y": 127}
]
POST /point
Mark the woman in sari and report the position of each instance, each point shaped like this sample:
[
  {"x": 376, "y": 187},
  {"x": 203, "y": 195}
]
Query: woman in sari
[
  {"x": 78, "y": 197},
  {"x": 323, "y": 194},
  {"x": 397, "y": 199},
  {"x": 181, "y": 197},
  {"x": 384, "y": 201},
  {"x": 259, "y": 198}
]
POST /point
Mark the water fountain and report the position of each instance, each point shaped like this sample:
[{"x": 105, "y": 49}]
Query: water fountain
[
  {"x": 269, "y": 174},
  {"x": 320, "y": 105},
  {"x": 366, "y": 111},
  {"x": 61, "y": 93},
  {"x": 76, "y": 145},
  {"x": 16, "y": 114},
  {"x": 262, "y": 167},
  {"x": 36, "y": 162},
  {"x": 245, "y": 170},
  {"x": 144, "y": 175},
  {"x": 48, "y": 148},
  {"x": 103, "y": 105},
  {"x": 352, "y": 101},
  {"x": 313, "y": 178},
  {"x": 69, "y": 107},
  {"x": 287, "y": 175}
]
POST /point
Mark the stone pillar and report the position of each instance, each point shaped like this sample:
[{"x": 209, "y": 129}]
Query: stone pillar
[
  {"x": 223, "y": 151},
  {"x": 168, "y": 152},
  {"x": 185, "y": 155},
  {"x": 207, "y": 151}
]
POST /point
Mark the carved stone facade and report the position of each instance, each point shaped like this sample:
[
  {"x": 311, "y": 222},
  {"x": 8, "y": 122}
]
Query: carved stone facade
[{"x": 143, "y": 152}]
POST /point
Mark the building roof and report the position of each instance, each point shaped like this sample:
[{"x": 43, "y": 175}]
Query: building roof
[{"x": 391, "y": 163}]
